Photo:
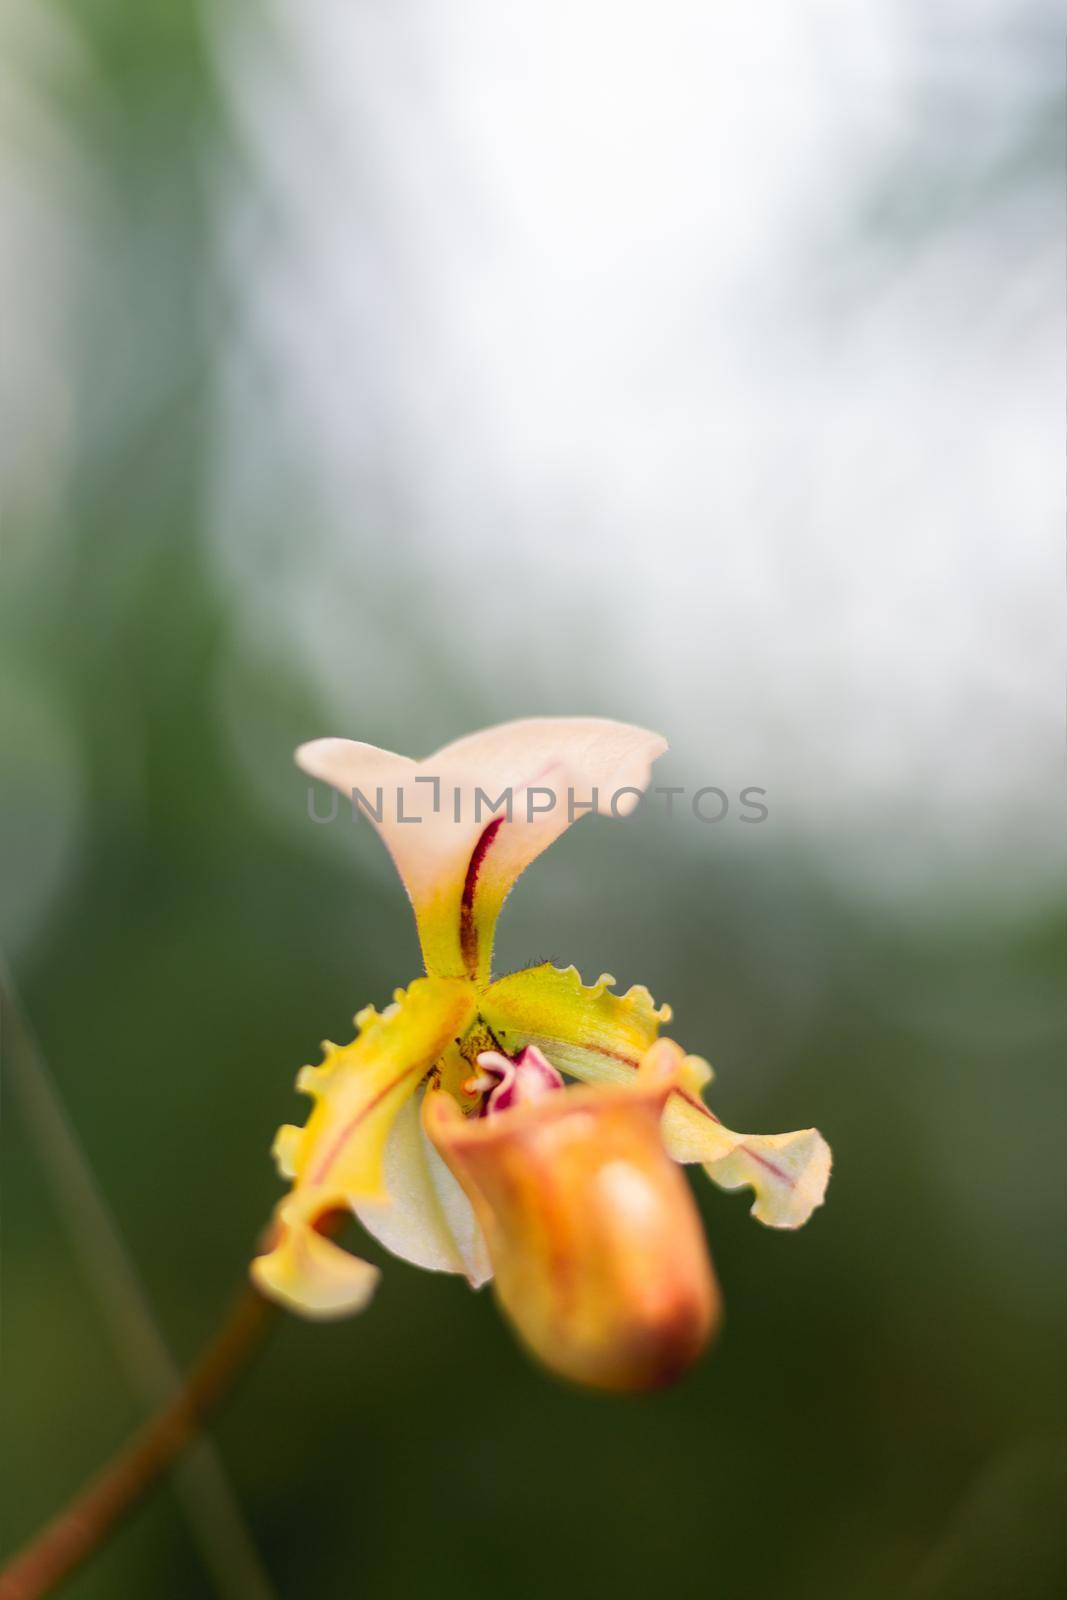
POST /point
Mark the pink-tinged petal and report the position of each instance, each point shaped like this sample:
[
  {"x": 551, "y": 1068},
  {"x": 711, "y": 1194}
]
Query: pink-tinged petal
[
  {"x": 516, "y": 1080},
  {"x": 446, "y": 820}
]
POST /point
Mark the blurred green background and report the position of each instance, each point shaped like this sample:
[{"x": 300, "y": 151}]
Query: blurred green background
[{"x": 258, "y": 488}]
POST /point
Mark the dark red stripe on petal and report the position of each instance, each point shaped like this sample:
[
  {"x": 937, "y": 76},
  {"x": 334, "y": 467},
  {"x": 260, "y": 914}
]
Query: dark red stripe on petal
[
  {"x": 340, "y": 1139},
  {"x": 779, "y": 1172},
  {"x": 691, "y": 1099},
  {"x": 697, "y": 1104},
  {"x": 468, "y": 933},
  {"x": 603, "y": 1050}
]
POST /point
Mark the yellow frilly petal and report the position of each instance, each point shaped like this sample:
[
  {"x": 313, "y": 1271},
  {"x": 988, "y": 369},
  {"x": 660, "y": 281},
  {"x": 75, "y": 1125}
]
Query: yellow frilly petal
[
  {"x": 336, "y": 1160},
  {"x": 601, "y": 1037},
  {"x": 576, "y": 1024}
]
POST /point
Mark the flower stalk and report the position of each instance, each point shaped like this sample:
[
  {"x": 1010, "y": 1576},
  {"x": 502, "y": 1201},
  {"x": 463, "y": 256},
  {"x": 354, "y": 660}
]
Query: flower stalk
[{"x": 83, "y": 1525}]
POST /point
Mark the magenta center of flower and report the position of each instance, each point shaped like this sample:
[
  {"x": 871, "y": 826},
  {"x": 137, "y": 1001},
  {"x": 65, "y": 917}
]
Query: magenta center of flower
[{"x": 509, "y": 1081}]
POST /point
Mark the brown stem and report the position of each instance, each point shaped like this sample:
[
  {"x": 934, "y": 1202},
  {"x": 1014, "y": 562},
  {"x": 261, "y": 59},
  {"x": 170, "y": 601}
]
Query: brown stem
[{"x": 76, "y": 1531}]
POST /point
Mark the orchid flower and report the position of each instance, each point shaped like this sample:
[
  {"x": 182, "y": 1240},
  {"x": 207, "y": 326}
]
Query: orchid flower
[{"x": 449, "y": 1127}]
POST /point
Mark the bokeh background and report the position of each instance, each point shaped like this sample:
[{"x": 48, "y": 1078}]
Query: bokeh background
[{"x": 389, "y": 370}]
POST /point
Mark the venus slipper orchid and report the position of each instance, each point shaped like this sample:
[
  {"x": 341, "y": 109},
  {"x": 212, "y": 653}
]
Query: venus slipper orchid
[
  {"x": 452, "y": 1126},
  {"x": 448, "y": 1127}
]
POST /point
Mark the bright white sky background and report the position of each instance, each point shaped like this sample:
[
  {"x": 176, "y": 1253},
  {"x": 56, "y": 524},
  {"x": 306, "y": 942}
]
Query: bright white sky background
[
  {"x": 714, "y": 349},
  {"x": 700, "y": 364}
]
